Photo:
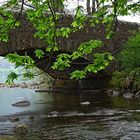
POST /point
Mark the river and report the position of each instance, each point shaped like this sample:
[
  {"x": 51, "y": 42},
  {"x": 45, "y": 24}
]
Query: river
[{"x": 64, "y": 116}]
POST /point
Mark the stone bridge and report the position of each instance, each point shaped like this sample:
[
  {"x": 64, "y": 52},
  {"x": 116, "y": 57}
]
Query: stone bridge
[{"x": 22, "y": 41}]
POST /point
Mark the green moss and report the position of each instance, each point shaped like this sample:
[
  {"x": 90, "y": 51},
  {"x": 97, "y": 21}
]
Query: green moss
[{"x": 7, "y": 138}]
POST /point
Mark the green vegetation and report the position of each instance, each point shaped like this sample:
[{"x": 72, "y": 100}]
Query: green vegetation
[
  {"x": 45, "y": 16},
  {"x": 7, "y": 138},
  {"x": 130, "y": 55},
  {"x": 129, "y": 75}
]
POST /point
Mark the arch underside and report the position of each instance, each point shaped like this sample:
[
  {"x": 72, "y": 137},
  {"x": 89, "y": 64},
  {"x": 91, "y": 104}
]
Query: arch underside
[{"x": 48, "y": 60}]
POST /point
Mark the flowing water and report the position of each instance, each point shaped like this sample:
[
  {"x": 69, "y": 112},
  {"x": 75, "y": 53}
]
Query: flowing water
[{"x": 61, "y": 116}]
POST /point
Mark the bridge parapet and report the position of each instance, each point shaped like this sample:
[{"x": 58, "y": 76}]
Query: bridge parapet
[{"x": 22, "y": 38}]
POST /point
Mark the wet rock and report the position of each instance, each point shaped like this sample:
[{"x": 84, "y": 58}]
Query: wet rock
[
  {"x": 2, "y": 85},
  {"x": 53, "y": 114},
  {"x": 137, "y": 95},
  {"x": 21, "y": 85},
  {"x": 85, "y": 103},
  {"x": 21, "y": 104},
  {"x": 109, "y": 92},
  {"x": 12, "y": 86},
  {"x": 115, "y": 93},
  {"x": 128, "y": 95},
  {"x": 40, "y": 102},
  {"x": 21, "y": 130},
  {"x": 24, "y": 85},
  {"x": 31, "y": 117},
  {"x": 112, "y": 93},
  {"x": 14, "y": 119}
]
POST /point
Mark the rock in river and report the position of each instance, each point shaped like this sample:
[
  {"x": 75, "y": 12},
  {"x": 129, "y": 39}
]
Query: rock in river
[
  {"x": 14, "y": 119},
  {"x": 128, "y": 95},
  {"x": 137, "y": 95},
  {"x": 21, "y": 130},
  {"x": 53, "y": 114},
  {"x": 21, "y": 104},
  {"x": 112, "y": 93},
  {"x": 85, "y": 103}
]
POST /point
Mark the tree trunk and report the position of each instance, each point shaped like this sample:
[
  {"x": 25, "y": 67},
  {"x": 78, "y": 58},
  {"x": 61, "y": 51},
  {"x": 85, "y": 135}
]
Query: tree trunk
[
  {"x": 88, "y": 7},
  {"x": 93, "y": 6}
]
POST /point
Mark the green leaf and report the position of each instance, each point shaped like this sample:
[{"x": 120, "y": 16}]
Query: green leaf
[
  {"x": 78, "y": 75},
  {"x": 11, "y": 77},
  {"x": 62, "y": 62},
  {"x": 39, "y": 53}
]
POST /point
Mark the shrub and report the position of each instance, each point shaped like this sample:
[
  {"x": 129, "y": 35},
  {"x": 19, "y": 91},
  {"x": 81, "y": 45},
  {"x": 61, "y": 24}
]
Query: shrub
[
  {"x": 130, "y": 55},
  {"x": 129, "y": 75}
]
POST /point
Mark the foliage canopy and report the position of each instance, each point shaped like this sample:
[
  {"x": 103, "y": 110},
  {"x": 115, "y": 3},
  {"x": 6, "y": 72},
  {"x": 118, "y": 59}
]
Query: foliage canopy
[{"x": 44, "y": 16}]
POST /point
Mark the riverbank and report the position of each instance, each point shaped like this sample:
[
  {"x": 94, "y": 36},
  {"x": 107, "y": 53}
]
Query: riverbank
[
  {"x": 21, "y": 85},
  {"x": 44, "y": 88},
  {"x": 25, "y": 85},
  {"x": 126, "y": 94}
]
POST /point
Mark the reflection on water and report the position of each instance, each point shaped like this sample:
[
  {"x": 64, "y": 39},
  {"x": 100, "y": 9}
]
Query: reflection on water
[
  {"x": 43, "y": 101},
  {"x": 60, "y": 116},
  {"x": 8, "y": 96}
]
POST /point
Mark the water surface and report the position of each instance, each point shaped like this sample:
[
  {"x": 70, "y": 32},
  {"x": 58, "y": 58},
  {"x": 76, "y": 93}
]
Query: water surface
[{"x": 60, "y": 116}]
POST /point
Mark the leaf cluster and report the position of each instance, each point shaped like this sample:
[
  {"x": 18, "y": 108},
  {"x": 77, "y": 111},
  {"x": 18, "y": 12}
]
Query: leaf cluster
[
  {"x": 100, "y": 62},
  {"x": 20, "y": 61}
]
